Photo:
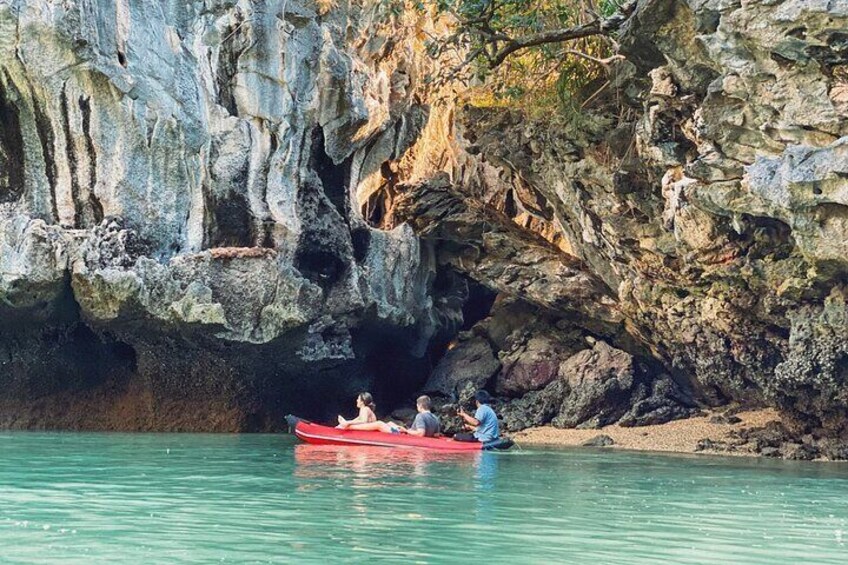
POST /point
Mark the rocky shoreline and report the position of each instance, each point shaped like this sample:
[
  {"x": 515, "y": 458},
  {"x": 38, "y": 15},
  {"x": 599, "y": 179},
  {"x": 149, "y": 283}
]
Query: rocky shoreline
[{"x": 747, "y": 433}]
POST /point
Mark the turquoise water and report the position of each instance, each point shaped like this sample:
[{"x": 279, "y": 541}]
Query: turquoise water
[{"x": 119, "y": 498}]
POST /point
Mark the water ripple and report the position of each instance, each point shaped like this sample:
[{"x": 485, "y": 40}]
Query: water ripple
[{"x": 97, "y": 498}]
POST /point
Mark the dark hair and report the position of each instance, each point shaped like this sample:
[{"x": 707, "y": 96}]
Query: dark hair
[
  {"x": 424, "y": 402},
  {"x": 482, "y": 397},
  {"x": 367, "y": 400}
]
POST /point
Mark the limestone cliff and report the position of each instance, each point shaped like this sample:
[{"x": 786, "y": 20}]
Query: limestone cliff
[
  {"x": 211, "y": 212},
  {"x": 708, "y": 195},
  {"x": 182, "y": 196}
]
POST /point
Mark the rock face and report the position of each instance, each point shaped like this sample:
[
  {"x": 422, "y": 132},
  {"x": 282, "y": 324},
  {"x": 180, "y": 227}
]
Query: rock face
[
  {"x": 706, "y": 194},
  {"x": 184, "y": 191},
  {"x": 212, "y": 213}
]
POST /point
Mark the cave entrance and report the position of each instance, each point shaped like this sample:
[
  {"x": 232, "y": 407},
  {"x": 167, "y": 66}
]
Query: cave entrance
[
  {"x": 11, "y": 147},
  {"x": 334, "y": 177}
]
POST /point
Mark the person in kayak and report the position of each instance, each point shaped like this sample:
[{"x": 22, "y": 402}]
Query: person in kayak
[
  {"x": 483, "y": 424},
  {"x": 365, "y": 403},
  {"x": 426, "y": 424}
]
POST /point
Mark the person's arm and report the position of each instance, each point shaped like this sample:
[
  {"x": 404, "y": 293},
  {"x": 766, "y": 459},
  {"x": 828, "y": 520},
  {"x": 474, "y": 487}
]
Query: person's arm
[
  {"x": 362, "y": 418},
  {"x": 469, "y": 420},
  {"x": 417, "y": 428},
  {"x": 419, "y": 432}
]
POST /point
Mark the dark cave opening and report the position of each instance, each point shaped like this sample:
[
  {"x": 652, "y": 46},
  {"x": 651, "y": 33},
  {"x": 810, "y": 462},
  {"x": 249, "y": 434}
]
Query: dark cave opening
[
  {"x": 478, "y": 305},
  {"x": 361, "y": 239},
  {"x": 334, "y": 177},
  {"x": 318, "y": 265},
  {"x": 11, "y": 148},
  {"x": 233, "y": 222}
]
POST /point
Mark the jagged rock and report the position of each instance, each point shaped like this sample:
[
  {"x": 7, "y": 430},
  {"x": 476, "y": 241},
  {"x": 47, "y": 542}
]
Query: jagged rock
[
  {"x": 464, "y": 369},
  {"x": 492, "y": 250},
  {"x": 597, "y": 387},
  {"x": 658, "y": 401},
  {"x": 771, "y": 436},
  {"x": 718, "y": 224},
  {"x": 534, "y": 408},
  {"x": 834, "y": 449},
  {"x": 599, "y": 382},
  {"x": 532, "y": 345},
  {"x": 770, "y": 452},
  {"x": 602, "y": 440},
  {"x": 725, "y": 419},
  {"x": 799, "y": 451},
  {"x": 211, "y": 198},
  {"x": 707, "y": 444},
  {"x": 530, "y": 367},
  {"x": 198, "y": 180}
]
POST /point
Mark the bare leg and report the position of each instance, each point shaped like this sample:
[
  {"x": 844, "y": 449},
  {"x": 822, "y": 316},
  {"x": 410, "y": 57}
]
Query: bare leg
[{"x": 377, "y": 426}]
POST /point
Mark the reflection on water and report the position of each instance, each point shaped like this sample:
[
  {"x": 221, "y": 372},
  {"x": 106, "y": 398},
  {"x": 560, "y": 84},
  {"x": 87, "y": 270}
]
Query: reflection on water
[
  {"x": 116, "y": 498},
  {"x": 371, "y": 463}
]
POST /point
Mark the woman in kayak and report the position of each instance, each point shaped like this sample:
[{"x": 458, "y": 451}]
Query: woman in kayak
[
  {"x": 367, "y": 421},
  {"x": 365, "y": 403}
]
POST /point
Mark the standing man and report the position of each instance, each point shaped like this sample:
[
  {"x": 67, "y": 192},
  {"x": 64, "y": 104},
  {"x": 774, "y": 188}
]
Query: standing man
[
  {"x": 426, "y": 424},
  {"x": 484, "y": 424}
]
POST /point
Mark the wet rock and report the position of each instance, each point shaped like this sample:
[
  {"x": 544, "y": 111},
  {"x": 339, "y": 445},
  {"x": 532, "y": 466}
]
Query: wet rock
[
  {"x": 707, "y": 444},
  {"x": 834, "y": 449},
  {"x": 724, "y": 419},
  {"x": 602, "y": 440},
  {"x": 770, "y": 452},
  {"x": 799, "y": 451}
]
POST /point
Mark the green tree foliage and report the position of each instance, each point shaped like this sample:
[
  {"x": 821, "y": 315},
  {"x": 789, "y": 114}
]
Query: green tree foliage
[{"x": 541, "y": 52}]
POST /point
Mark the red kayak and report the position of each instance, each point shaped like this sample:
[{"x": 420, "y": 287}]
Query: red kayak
[{"x": 325, "y": 435}]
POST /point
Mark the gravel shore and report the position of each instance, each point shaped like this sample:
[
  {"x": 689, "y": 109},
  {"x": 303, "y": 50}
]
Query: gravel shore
[{"x": 680, "y": 436}]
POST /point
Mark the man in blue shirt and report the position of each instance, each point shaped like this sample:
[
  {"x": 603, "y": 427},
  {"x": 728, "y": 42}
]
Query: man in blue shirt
[{"x": 484, "y": 423}]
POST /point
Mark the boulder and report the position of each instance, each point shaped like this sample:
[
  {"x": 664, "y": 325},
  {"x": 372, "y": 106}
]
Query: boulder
[
  {"x": 531, "y": 366},
  {"x": 535, "y": 408},
  {"x": 602, "y": 440},
  {"x": 599, "y": 383},
  {"x": 466, "y": 367},
  {"x": 725, "y": 419}
]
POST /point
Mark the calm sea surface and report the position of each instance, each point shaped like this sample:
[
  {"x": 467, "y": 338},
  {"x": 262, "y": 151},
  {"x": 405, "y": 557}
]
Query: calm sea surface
[{"x": 151, "y": 498}]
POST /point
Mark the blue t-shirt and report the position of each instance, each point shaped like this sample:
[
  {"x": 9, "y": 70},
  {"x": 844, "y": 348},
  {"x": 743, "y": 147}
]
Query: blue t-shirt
[{"x": 488, "y": 428}]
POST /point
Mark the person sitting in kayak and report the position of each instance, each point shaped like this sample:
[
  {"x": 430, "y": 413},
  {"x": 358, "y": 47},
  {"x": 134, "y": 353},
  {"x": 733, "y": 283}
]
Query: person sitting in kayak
[
  {"x": 365, "y": 403},
  {"x": 484, "y": 424},
  {"x": 426, "y": 424},
  {"x": 367, "y": 421}
]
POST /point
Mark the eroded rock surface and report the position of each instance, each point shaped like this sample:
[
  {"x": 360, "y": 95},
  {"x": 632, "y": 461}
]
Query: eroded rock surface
[
  {"x": 706, "y": 192},
  {"x": 189, "y": 183},
  {"x": 210, "y": 213}
]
